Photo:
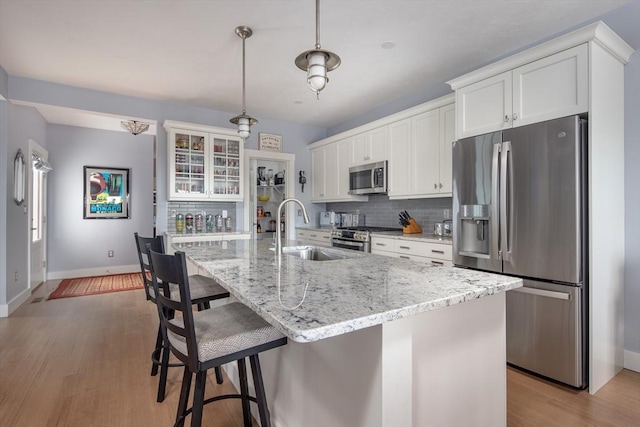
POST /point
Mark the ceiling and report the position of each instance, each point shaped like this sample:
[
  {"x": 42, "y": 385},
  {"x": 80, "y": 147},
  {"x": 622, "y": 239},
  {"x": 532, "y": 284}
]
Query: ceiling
[{"x": 186, "y": 51}]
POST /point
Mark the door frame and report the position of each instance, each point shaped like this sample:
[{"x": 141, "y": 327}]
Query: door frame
[
  {"x": 289, "y": 160},
  {"x": 35, "y": 147}
]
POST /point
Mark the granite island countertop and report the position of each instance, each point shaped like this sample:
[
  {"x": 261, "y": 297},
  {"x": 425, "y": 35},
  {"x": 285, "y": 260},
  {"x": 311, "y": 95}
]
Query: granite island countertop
[{"x": 311, "y": 300}]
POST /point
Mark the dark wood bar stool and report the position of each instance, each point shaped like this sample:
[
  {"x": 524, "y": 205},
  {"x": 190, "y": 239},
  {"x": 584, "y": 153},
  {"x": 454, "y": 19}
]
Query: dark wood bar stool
[
  {"x": 210, "y": 338},
  {"x": 203, "y": 291}
]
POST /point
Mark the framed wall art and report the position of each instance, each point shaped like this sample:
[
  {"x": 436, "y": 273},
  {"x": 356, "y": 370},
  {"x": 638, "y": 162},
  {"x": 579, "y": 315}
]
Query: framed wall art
[
  {"x": 269, "y": 142},
  {"x": 106, "y": 193}
]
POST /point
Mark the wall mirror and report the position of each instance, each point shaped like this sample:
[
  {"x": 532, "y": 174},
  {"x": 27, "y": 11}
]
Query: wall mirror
[{"x": 19, "y": 176}]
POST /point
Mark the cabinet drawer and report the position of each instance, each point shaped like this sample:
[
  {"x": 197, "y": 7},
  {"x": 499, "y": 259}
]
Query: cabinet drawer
[
  {"x": 317, "y": 236},
  {"x": 410, "y": 248},
  {"x": 438, "y": 251},
  {"x": 382, "y": 244}
]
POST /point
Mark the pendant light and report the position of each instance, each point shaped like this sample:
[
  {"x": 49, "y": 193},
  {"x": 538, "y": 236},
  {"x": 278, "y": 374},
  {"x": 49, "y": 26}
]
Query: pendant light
[
  {"x": 317, "y": 62},
  {"x": 243, "y": 121},
  {"x": 134, "y": 127}
]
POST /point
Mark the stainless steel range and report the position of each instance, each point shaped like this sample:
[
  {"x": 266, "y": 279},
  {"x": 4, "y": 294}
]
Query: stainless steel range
[{"x": 356, "y": 238}]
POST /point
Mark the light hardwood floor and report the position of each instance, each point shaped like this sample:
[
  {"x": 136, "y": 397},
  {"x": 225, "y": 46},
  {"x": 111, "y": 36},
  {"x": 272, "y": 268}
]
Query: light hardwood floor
[{"x": 85, "y": 362}]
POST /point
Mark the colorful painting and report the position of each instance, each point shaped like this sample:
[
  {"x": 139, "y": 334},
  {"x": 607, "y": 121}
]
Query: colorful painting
[{"x": 106, "y": 193}]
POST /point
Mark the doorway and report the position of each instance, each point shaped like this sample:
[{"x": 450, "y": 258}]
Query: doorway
[
  {"x": 37, "y": 211},
  {"x": 278, "y": 163}
]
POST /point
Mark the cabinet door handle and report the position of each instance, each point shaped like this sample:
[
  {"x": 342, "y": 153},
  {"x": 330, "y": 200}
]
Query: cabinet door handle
[
  {"x": 435, "y": 186},
  {"x": 506, "y": 118},
  {"x": 313, "y": 235},
  {"x": 437, "y": 252},
  {"x": 381, "y": 244},
  {"x": 440, "y": 185},
  {"x": 404, "y": 257},
  {"x": 437, "y": 263},
  {"x": 515, "y": 116},
  {"x": 404, "y": 247}
]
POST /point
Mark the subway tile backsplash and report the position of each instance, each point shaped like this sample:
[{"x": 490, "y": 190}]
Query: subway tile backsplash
[
  {"x": 382, "y": 212},
  {"x": 213, "y": 208}
]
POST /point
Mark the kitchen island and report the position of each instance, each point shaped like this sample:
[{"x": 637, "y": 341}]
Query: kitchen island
[{"x": 374, "y": 341}]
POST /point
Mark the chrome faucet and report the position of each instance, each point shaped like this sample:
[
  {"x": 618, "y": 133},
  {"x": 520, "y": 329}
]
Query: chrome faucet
[{"x": 278, "y": 247}]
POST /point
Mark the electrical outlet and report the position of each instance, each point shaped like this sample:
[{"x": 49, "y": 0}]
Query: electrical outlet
[
  {"x": 447, "y": 214},
  {"x": 110, "y": 254},
  {"x": 224, "y": 214},
  {"x": 299, "y": 212}
]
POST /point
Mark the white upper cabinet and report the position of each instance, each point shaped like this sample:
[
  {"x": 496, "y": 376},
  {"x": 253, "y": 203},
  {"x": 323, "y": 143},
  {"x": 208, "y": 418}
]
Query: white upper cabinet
[
  {"x": 318, "y": 174},
  {"x": 370, "y": 147},
  {"x": 447, "y": 136},
  {"x": 420, "y": 154},
  {"x": 401, "y": 146},
  {"x": 330, "y": 172},
  {"x": 205, "y": 163},
  {"x": 551, "y": 87}
]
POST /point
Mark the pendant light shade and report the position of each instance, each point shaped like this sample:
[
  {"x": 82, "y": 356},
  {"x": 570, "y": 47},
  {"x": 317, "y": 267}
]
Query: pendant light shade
[
  {"x": 135, "y": 127},
  {"x": 317, "y": 62},
  {"x": 243, "y": 121}
]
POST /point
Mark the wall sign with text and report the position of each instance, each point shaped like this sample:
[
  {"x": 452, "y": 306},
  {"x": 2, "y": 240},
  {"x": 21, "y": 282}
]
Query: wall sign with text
[
  {"x": 269, "y": 142},
  {"x": 106, "y": 193}
]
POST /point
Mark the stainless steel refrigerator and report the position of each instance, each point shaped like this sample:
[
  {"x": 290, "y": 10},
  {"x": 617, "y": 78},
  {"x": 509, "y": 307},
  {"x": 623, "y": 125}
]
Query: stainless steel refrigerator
[{"x": 519, "y": 206}]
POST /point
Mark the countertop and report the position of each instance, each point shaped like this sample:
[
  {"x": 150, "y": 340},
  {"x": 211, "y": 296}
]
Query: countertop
[
  {"x": 206, "y": 235},
  {"x": 312, "y": 300},
  {"x": 427, "y": 237}
]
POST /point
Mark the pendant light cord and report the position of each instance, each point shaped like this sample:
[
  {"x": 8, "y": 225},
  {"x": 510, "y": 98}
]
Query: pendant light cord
[
  {"x": 244, "y": 97},
  {"x": 318, "y": 24}
]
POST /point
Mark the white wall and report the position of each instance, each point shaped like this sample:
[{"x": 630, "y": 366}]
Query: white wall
[{"x": 77, "y": 245}]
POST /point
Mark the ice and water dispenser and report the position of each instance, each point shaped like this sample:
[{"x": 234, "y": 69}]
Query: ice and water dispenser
[{"x": 474, "y": 231}]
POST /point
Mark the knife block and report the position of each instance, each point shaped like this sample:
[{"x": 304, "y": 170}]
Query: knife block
[{"x": 412, "y": 228}]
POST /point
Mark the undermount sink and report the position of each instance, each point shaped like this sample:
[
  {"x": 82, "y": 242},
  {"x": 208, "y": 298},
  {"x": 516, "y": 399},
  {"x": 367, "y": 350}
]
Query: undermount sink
[{"x": 314, "y": 253}]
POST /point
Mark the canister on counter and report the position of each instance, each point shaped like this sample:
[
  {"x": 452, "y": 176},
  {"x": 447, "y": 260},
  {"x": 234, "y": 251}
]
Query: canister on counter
[
  {"x": 228, "y": 223},
  {"x": 218, "y": 222},
  {"x": 209, "y": 223},
  {"x": 188, "y": 223},
  {"x": 199, "y": 223},
  {"x": 179, "y": 223}
]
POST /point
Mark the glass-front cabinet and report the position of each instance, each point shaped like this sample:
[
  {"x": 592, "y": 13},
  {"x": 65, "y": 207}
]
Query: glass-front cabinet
[
  {"x": 205, "y": 163},
  {"x": 226, "y": 166}
]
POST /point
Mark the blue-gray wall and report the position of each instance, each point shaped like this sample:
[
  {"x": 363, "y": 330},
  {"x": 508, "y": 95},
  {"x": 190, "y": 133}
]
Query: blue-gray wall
[{"x": 77, "y": 244}]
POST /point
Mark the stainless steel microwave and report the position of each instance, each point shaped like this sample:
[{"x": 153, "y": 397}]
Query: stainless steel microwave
[{"x": 368, "y": 179}]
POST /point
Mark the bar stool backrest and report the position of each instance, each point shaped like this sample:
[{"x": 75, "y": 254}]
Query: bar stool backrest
[
  {"x": 171, "y": 270},
  {"x": 157, "y": 245}
]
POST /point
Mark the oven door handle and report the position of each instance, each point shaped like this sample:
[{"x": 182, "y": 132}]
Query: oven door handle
[{"x": 347, "y": 243}]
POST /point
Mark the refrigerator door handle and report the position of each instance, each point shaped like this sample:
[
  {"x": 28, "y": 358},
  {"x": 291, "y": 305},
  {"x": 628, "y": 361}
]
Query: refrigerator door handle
[
  {"x": 504, "y": 223},
  {"x": 544, "y": 293},
  {"x": 495, "y": 203}
]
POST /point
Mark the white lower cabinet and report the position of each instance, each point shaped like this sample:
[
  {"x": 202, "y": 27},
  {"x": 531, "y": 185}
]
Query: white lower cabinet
[
  {"x": 315, "y": 235},
  {"x": 438, "y": 254}
]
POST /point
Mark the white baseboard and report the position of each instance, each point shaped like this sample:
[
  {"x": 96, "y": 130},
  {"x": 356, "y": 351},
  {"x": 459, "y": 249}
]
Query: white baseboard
[
  {"x": 7, "y": 309},
  {"x": 632, "y": 361},
  {"x": 89, "y": 272}
]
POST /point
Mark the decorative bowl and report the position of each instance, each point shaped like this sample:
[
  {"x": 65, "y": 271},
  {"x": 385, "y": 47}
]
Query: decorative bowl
[{"x": 263, "y": 198}]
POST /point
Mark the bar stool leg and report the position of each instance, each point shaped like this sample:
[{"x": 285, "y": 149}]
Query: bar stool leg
[
  {"x": 261, "y": 398},
  {"x": 184, "y": 397},
  {"x": 198, "y": 399},
  {"x": 244, "y": 392},
  {"x": 154, "y": 366}
]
